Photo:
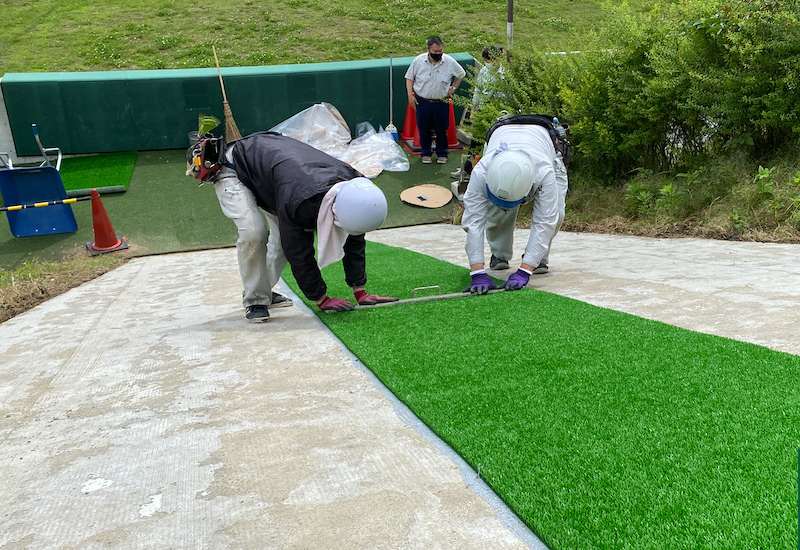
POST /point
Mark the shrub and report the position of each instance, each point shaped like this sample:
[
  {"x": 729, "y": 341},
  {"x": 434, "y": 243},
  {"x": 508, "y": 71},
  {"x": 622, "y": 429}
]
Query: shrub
[{"x": 672, "y": 90}]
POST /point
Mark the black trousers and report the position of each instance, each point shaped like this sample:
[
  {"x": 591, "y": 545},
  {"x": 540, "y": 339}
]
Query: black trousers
[{"x": 433, "y": 116}]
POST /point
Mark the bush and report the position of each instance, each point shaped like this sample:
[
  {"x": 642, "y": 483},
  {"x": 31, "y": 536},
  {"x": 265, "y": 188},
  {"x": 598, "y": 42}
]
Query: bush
[{"x": 671, "y": 92}]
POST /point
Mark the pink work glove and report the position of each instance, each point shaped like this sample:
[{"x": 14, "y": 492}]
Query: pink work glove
[
  {"x": 333, "y": 305},
  {"x": 365, "y": 299}
]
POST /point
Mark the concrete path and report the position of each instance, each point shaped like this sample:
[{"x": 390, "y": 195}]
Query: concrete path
[{"x": 140, "y": 411}]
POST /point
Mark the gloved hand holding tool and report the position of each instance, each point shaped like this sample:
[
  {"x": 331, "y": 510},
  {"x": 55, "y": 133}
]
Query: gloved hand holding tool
[
  {"x": 481, "y": 283},
  {"x": 518, "y": 279},
  {"x": 332, "y": 305},
  {"x": 365, "y": 299}
]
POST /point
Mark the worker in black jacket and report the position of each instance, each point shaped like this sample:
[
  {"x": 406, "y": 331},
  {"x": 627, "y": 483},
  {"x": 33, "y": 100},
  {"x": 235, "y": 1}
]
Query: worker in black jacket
[{"x": 302, "y": 190}]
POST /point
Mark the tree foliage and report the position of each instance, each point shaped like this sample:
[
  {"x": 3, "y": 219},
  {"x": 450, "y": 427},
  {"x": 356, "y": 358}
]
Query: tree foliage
[{"x": 671, "y": 90}]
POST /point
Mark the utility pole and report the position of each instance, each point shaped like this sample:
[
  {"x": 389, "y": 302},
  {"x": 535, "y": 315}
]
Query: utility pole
[{"x": 510, "y": 29}]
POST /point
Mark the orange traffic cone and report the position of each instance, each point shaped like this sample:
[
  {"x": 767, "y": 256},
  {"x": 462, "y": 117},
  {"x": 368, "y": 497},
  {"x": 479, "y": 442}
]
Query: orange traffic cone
[
  {"x": 410, "y": 125},
  {"x": 452, "y": 131},
  {"x": 105, "y": 240}
]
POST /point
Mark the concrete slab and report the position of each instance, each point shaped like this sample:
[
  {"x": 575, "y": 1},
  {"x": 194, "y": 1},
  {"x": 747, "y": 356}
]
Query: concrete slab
[{"x": 140, "y": 411}]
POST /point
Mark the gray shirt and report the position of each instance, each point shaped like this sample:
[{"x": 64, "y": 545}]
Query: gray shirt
[{"x": 432, "y": 81}]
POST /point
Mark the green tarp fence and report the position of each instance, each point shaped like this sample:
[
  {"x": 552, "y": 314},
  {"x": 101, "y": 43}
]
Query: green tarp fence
[{"x": 100, "y": 112}]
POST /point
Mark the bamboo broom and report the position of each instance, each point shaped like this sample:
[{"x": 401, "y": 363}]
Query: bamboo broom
[{"x": 231, "y": 130}]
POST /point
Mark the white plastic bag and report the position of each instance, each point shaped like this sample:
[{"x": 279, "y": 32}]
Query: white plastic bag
[
  {"x": 375, "y": 152},
  {"x": 323, "y": 127}
]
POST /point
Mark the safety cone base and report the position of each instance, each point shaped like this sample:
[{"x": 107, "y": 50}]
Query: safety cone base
[
  {"x": 105, "y": 239},
  {"x": 93, "y": 251}
]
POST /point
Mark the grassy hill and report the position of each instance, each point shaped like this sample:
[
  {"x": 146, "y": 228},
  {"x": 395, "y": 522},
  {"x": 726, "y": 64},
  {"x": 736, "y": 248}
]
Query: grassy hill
[{"x": 81, "y": 35}]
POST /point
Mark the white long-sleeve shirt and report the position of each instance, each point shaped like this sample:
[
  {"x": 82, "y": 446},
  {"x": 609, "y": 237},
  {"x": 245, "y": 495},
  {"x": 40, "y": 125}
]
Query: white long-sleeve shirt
[{"x": 535, "y": 142}]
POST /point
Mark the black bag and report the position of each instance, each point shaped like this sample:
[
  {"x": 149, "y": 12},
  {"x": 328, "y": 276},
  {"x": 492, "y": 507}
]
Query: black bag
[{"x": 561, "y": 144}]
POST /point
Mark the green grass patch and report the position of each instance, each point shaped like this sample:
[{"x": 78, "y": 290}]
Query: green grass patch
[
  {"x": 598, "y": 428},
  {"x": 110, "y": 170},
  {"x": 83, "y": 35}
]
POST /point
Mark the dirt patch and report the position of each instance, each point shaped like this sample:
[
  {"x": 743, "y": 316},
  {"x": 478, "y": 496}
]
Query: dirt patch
[
  {"x": 24, "y": 295},
  {"x": 26, "y": 289}
]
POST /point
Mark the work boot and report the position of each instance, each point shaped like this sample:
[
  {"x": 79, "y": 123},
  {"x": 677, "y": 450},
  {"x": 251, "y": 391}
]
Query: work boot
[
  {"x": 540, "y": 269},
  {"x": 257, "y": 314},
  {"x": 457, "y": 175},
  {"x": 279, "y": 300},
  {"x": 497, "y": 263}
]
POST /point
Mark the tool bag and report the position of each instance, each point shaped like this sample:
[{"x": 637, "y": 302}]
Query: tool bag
[{"x": 561, "y": 144}]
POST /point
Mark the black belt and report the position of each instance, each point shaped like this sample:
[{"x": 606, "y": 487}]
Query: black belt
[{"x": 430, "y": 100}]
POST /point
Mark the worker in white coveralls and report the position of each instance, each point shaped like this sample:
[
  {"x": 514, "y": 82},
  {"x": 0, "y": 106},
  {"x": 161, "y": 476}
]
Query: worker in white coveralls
[
  {"x": 520, "y": 164},
  {"x": 301, "y": 189}
]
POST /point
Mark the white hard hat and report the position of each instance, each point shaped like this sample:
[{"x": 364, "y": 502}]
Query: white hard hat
[
  {"x": 509, "y": 178},
  {"x": 360, "y": 206}
]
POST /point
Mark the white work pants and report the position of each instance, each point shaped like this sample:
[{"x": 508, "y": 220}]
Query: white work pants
[
  {"x": 258, "y": 250},
  {"x": 500, "y": 223}
]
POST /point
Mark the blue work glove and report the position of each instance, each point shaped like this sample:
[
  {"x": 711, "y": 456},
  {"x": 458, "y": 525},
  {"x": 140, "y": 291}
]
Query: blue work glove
[
  {"x": 481, "y": 283},
  {"x": 332, "y": 305},
  {"x": 517, "y": 280}
]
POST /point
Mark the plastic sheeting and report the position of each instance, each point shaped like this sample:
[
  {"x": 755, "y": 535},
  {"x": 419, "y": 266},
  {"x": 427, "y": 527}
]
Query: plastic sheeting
[{"x": 323, "y": 127}]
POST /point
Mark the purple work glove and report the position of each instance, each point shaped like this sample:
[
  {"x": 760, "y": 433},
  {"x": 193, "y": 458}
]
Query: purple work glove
[
  {"x": 481, "y": 283},
  {"x": 365, "y": 299},
  {"x": 332, "y": 305},
  {"x": 517, "y": 280}
]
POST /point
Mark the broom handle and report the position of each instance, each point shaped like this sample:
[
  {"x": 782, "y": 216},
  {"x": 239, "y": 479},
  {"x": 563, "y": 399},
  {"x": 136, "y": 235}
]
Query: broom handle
[
  {"x": 390, "y": 88},
  {"x": 219, "y": 72}
]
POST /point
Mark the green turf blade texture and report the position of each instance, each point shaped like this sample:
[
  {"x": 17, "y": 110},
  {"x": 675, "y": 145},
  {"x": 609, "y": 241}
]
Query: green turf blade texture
[
  {"x": 598, "y": 428},
  {"x": 98, "y": 171}
]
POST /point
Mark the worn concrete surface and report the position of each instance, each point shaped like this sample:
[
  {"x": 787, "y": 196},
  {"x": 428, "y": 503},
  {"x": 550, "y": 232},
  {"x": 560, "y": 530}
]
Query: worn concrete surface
[{"x": 140, "y": 411}]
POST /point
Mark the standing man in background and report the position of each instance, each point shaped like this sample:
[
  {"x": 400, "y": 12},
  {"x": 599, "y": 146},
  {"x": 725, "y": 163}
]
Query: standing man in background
[
  {"x": 431, "y": 80},
  {"x": 491, "y": 70}
]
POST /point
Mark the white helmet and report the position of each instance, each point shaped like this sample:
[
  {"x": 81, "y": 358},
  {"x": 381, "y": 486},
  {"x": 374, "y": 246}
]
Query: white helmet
[
  {"x": 509, "y": 178},
  {"x": 360, "y": 206}
]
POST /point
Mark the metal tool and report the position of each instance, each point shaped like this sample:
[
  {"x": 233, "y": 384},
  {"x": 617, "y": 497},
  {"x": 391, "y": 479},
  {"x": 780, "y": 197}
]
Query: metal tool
[
  {"x": 46, "y": 150},
  {"x": 434, "y": 297}
]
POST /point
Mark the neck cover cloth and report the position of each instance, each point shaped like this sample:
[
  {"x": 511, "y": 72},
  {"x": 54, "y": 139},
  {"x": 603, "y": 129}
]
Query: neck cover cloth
[{"x": 330, "y": 237}]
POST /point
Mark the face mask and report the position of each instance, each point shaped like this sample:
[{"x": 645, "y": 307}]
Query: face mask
[{"x": 436, "y": 56}]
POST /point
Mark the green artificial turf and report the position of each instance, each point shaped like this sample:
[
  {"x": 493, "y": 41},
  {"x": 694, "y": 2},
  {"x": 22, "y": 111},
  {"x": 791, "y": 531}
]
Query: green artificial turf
[
  {"x": 598, "y": 428},
  {"x": 110, "y": 170},
  {"x": 162, "y": 211},
  {"x": 393, "y": 183},
  {"x": 165, "y": 211}
]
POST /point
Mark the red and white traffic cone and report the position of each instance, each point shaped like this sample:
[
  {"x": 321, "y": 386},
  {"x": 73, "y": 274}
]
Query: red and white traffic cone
[{"x": 105, "y": 240}]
